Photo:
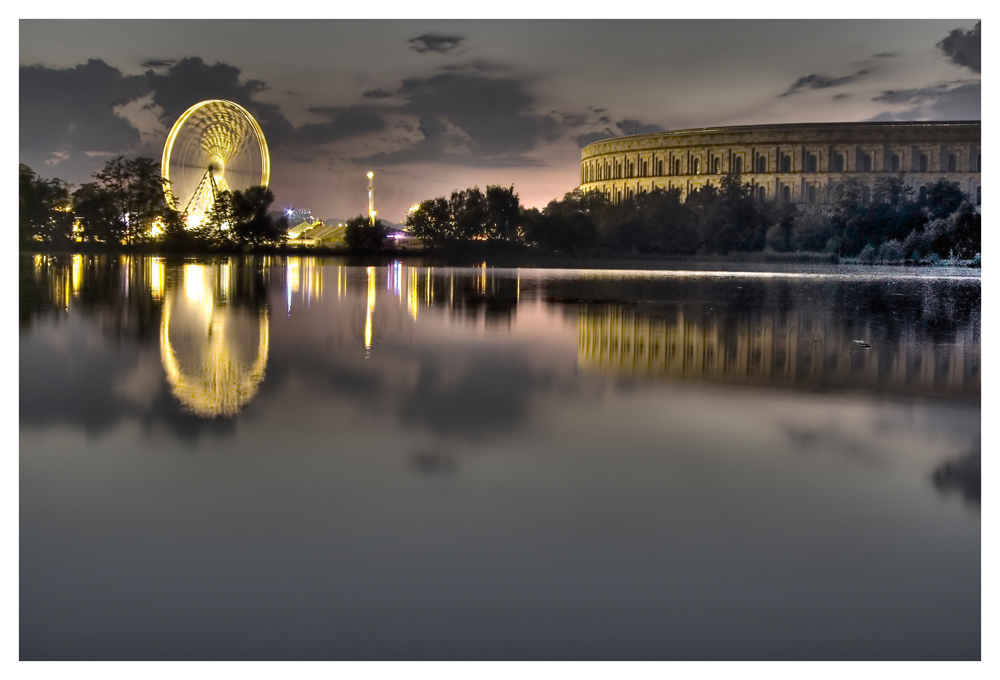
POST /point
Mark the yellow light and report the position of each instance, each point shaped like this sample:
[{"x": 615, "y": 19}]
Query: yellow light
[
  {"x": 371, "y": 308},
  {"x": 370, "y": 174},
  {"x": 414, "y": 208}
]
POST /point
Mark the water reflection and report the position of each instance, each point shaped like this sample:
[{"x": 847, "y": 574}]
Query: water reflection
[
  {"x": 211, "y": 357},
  {"x": 784, "y": 348},
  {"x": 397, "y": 460}
]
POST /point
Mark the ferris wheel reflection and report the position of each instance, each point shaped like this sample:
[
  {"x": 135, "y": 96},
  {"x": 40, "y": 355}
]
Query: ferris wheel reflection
[{"x": 214, "y": 351}]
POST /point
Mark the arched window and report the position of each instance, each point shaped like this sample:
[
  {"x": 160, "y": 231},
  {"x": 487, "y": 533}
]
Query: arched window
[
  {"x": 761, "y": 164},
  {"x": 762, "y": 194},
  {"x": 979, "y": 195},
  {"x": 619, "y": 199},
  {"x": 811, "y": 193},
  {"x": 695, "y": 167},
  {"x": 645, "y": 168},
  {"x": 738, "y": 165},
  {"x": 677, "y": 166},
  {"x": 952, "y": 163},
  {"x": 923, "y": 162},
  {"x": 895, "y": 162},
  {"x": 786, "y": 194},
  {"x": 812, "y": 163},
  {"x": 786, "y": 163},
  {"x": 979, "y": 162},
  {"x": 838, "y": 162},
  {"x": 631, "y": 169},
  {"x": 866, "y": 195},
  {"x": 659, "y": 167},
  {"x": 866, "y": 163},
  {"x": 716, "y": 165}
]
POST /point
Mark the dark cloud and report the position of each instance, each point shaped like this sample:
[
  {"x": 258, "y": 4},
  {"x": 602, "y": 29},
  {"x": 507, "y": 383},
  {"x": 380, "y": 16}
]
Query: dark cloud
[
  {"x": 634, "y": 127},
  {"x": 377, "y": 93},
  {"x": 432, "y": 42},
  {"x": 626, "y": 126},
  {"x": 191, "y": 80},
  {"x": 886, "y": 55},
  {"x": 964, "y": 47},
  {"x": 950, "y": 101},
  {"x": 345, "y": 123},
  {"x": 73, "y": 108},
  {"x": 591, "y": 137},
  {"x": 158, "y": 63},
  {"x": 469, "y": 119},
  {"x": 817, "y": 82}
]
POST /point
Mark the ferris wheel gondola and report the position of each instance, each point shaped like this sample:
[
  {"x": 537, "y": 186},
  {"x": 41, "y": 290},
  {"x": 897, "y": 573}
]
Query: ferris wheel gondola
[{"x": 215, "y": 146}]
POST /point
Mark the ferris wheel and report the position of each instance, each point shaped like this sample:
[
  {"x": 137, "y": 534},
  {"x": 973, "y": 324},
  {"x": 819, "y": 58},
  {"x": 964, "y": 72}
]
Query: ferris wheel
[{"x": 215, "y": 146}]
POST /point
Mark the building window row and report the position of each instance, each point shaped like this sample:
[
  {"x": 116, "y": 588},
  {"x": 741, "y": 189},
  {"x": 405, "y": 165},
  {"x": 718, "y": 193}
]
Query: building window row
[{"x": 606, "y": 170}]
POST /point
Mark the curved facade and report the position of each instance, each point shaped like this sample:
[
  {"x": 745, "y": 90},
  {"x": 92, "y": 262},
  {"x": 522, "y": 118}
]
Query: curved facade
[{"x": 797, "y": 163}]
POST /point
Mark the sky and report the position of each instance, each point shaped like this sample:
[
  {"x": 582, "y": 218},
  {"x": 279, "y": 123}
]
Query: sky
[{"x": 434, "y": 106}]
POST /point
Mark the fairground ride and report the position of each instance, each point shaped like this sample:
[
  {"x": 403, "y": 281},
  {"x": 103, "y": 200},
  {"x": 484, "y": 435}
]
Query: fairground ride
[{"x": 215, "y": 146}]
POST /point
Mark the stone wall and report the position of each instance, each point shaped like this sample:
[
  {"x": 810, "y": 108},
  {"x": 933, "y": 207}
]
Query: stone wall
[{"x": 800, "y": 163}]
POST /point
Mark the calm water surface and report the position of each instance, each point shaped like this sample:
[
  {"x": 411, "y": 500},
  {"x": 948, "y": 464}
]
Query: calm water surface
[{"x": 294, "y": 458}]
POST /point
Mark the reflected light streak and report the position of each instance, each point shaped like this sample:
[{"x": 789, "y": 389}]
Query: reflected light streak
[
  {"x": 371, "y": 308},
  {"x": 412, "y": 280},
  {"x": 157, "y": 278},
  {"x": 77, "y": 274}
]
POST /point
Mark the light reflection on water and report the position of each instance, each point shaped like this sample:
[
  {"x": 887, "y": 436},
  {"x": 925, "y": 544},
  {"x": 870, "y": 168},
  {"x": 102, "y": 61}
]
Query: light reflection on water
[{"x": 398, "y": 461}]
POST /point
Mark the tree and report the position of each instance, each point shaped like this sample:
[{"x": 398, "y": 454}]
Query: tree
[
  {"x": 431, "y": 220},
  {"x": 100, "y": 218},
  {"x": 362, "y": 235},
  {"x": 251, "y": 223},
  {"x": 468, "y": 213},
  {"x": 45, "y": 210},
  {"x": 942, "y": 199},
  {"x": 135, "y": 187},
  {"x": 503, "y": 213}
]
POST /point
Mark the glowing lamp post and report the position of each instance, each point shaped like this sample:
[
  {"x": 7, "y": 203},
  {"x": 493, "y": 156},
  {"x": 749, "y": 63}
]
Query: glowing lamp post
[{"x": 371, "y": 196}]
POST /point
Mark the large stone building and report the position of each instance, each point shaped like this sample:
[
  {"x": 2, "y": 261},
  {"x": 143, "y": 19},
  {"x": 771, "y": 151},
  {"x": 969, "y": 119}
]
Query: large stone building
[{"x": 798, "y": 163}]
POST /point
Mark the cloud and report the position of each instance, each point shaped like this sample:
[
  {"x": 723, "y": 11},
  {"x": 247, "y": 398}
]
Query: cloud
[
  {"x": 191, "y": 80},
  {"x": 432, "y": 42},
  {"x": 490, "y": 117},
  {"x": 948, "y": 101},
  {"x": 634, "y": 127},
  {"x": 818, "y": 82},
  {"x": 72, "y": 109},
  {"x": 886, "y": 55},
  {"x": 377, "y": 93},
  {"x": 345, "y": 122},
  {"x": 591, "y": 137},
  {"x": 964, "y": 47},
  {"x": 158, "y": 63}
]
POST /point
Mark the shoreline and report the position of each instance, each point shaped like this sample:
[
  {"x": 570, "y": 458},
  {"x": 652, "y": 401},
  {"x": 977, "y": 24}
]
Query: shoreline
[{"x": 507, "y": 256}]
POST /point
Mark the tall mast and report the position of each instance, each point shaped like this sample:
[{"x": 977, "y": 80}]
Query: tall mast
[{"x": 371, "y": 197}]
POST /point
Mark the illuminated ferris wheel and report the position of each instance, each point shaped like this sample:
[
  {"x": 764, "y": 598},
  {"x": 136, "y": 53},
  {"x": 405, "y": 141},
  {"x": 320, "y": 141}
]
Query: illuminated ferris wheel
[{"x": 215, "y": 146}]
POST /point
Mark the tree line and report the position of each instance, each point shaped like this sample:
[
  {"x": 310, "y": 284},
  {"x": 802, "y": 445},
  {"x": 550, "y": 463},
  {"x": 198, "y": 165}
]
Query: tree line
[
  {"x": 126, "y": 205},
  {"x": 887, "y": 222}
]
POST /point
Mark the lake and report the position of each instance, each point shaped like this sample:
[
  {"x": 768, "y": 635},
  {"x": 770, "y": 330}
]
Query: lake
[{"x": 313, "y": 458}]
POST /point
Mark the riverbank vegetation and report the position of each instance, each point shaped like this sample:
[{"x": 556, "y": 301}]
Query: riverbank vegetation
[{"x": 889, "y": 222}]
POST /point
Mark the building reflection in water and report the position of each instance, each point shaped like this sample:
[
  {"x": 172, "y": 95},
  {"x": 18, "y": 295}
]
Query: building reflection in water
[
  {"x": 214, "y": 352},
  {"x": 792, "y": 348}
]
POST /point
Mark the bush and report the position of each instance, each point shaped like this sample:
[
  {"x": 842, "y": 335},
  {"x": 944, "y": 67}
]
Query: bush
[
  {"x": 867, "y": 255},
  {"x": 891, "y": 251}
]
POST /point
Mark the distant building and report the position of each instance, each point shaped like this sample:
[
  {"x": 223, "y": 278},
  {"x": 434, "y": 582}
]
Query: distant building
[
  {"x": 796, "y": 163},
  {"x": 317, "y": 234}
]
